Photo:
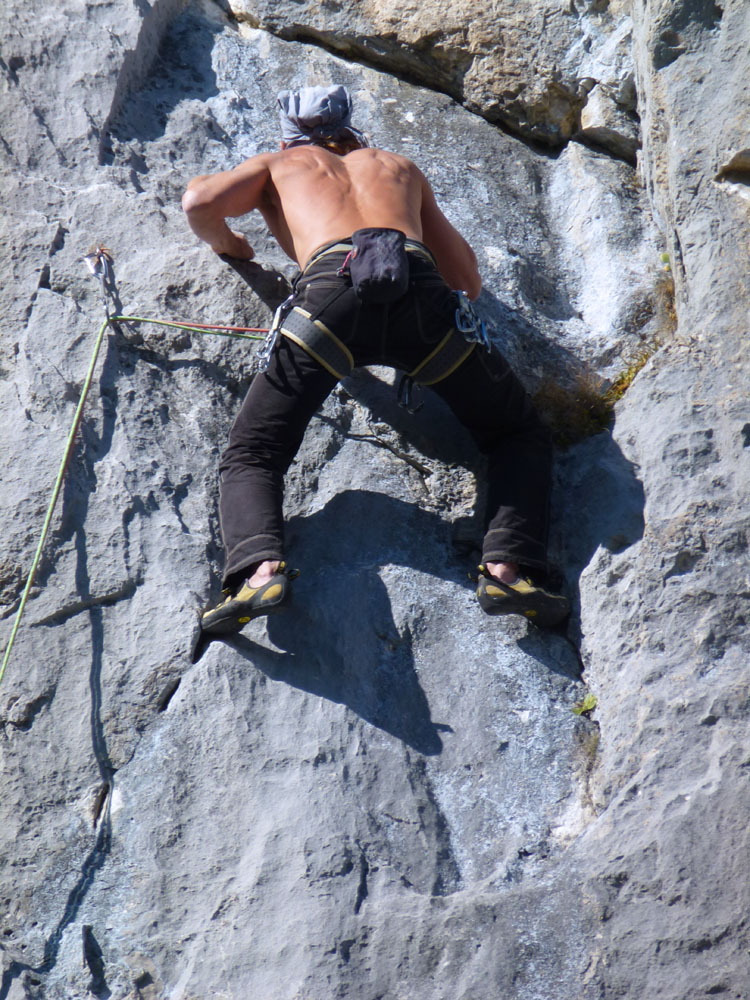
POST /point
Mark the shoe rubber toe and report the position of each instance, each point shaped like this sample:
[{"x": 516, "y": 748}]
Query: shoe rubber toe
[
  {"x": 522, "y": 598},
  {"x": 234, "y": 611}
]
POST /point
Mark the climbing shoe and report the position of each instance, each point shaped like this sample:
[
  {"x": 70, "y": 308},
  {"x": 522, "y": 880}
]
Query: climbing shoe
[
  {"x": 237, "y": 608},
  {"x": 521, "y": 598}
]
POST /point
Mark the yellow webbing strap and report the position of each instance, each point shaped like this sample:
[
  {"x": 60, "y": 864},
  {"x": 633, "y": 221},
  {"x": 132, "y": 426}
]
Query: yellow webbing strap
[
  {"x": 317, "y": 340},
  {"x": 452, "y": 351}
]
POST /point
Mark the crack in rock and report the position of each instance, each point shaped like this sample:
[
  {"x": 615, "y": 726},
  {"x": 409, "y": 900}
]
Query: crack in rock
[{"x": 123, "y": 593}]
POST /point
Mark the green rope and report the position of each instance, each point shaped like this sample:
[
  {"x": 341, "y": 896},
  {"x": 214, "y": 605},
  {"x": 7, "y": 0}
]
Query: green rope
[
  {"x": 212, "y": 330},
  {"x": 55, "y": 493},
  {"x": 216, "y": 331}
]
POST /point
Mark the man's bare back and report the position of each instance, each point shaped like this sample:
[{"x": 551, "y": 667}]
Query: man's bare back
[
  {"x": 365, "y": 188},
  {"x": 309, "y": 196}
]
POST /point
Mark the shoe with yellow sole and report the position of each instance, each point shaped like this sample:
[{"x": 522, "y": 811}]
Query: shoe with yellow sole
[
  {"x": 237, "y": 608},
  {"x": 523, "y": 597}
]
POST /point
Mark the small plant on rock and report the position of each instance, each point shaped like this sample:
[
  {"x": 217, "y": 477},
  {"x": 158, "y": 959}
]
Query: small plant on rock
[
  {"x": 587, "y": 406},
  {"x": 586, "y": 705}
]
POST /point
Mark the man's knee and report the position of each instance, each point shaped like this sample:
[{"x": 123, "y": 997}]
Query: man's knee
[{"x": 255, "y": 448}]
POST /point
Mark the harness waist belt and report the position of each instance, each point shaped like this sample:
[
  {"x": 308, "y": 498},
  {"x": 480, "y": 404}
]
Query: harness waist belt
[{"x": 345, "y": 246}]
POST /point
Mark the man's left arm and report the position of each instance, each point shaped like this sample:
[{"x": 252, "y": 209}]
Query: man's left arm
[
  {"x": 211, "y": 199},
  {"x": 456, "y": 260}
]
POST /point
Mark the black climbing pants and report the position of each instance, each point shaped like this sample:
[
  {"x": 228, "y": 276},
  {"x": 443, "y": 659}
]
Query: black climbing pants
[{"x": 483, "y": 393}]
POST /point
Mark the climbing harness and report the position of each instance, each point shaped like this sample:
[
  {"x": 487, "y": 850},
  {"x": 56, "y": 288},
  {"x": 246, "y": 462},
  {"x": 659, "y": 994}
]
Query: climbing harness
[
  {"x": 381, "y": 273},
  {"x": 314, "y": 337},
  {"x": 451, "y": 352},
  {"x": 99, "y": 262}
]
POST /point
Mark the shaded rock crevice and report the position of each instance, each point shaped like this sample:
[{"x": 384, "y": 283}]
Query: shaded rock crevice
[
  {"x": 677, "y": 29},
  {"x": 433, "y": 826},
  {"x": 94, "y": 861},
  {"x": 124, "y": 593},
  {"x": 22, "y": 712}
]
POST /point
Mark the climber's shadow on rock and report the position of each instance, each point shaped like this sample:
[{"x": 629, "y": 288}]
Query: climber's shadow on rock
[
  {"x": 598, "y": 501},
  {"x": 598, "y": 498},
  {"x": 339, "y": 640},
  {"x": 270, "y": 285}
]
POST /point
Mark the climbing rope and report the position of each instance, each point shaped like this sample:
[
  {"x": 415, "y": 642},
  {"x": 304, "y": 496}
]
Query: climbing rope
[
  {"x": 55, "y": 492},
  {"x": 242, "y": 332},
  {"x": 99, "y": 262}
]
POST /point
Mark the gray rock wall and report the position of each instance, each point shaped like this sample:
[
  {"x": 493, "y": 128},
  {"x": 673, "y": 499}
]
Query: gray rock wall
[
  {"x": 382, "y": 793},
  {"x": 672, "y": 673}
]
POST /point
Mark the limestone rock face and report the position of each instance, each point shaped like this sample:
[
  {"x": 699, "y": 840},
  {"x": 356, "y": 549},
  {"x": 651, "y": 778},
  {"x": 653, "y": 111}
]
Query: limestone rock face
[
  {"x": 528, "y": 66},
  {"x": 608, "y": 125},
  {"x": 382, "y": 793},
  {"x": 672, "y": 674}
]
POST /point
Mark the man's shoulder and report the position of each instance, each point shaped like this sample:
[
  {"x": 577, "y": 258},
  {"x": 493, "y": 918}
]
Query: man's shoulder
[
  {"x": 260, "y": 161},
  {"x": 313, "y": 154},
  {"x": 377, "y": 153},
  {"x": 374, "y": 156}
]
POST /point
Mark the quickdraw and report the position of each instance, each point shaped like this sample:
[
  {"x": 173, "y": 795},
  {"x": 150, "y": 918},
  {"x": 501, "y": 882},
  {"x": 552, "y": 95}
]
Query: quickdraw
[
  {"x": 99, "y": 262},
  {"x": 469, "y": 324}
]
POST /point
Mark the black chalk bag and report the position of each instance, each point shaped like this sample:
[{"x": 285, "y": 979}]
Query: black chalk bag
[{"x": 378, "y": 265}]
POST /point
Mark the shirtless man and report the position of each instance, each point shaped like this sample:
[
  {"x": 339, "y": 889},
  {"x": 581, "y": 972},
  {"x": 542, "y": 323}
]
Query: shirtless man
[{"x": 318, "y": 195}]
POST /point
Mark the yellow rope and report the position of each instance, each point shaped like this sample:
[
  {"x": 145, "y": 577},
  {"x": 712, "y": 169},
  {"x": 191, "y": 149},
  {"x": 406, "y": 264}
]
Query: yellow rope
[
  {"x": 214, "y": 330},
  {"x": 55, "y": 493}
]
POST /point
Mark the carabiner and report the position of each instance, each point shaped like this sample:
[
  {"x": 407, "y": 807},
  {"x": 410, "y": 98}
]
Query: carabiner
[{"x": 263, "y": 354}]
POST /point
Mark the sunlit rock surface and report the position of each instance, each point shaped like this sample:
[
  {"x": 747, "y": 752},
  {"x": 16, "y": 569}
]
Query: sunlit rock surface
[
  {"x": 381, "y": 793},
  {"x": 527, "y": 66}
]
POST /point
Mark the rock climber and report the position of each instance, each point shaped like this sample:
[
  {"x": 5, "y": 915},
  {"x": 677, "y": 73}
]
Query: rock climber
[{"x": 380, "y": 270}]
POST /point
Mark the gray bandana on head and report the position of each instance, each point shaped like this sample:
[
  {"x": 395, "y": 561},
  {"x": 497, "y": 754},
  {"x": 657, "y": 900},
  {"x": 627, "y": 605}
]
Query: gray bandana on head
[{"x": 314, "y": 114}]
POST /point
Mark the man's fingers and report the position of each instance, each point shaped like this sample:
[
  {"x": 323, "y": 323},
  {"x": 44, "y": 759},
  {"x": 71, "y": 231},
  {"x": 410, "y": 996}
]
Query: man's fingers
[
  {"x": 237, "y": 247},
  {"x": 242, "y": 249}
]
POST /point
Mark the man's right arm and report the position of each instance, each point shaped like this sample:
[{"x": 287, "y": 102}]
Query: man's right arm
[
  {"x": 211, "y": 199},
  {"x": 456, "y": 260}
]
